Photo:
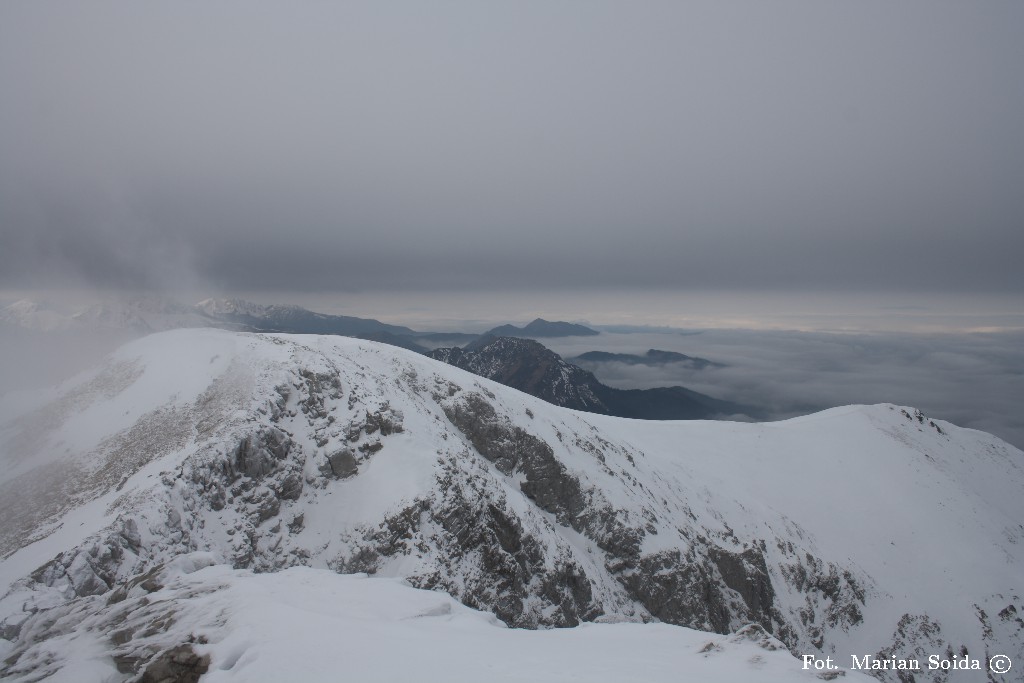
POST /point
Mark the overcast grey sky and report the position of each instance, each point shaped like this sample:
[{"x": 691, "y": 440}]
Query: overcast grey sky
[{"x": 357, "y": 146}]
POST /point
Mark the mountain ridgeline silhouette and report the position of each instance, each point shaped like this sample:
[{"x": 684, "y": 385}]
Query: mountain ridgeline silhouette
[{"x": 529, "y": 366}]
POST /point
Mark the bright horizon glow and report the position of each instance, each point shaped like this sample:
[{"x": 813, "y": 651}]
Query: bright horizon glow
[
  {"x": 477, "y": 311},
  {"x": 928, "y": 313}
]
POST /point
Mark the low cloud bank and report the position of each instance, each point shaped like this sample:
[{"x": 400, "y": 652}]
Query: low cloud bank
[{"x": 973, "y": 380}]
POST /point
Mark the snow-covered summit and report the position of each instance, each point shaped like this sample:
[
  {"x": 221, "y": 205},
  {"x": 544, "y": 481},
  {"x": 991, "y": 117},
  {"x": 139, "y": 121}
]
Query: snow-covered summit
[
  {"x": 862, "y": 530},
  {"x": 234, "y": 306},
  {"x": 140, "y": 314},
  {"x": 34, "y": 315}
]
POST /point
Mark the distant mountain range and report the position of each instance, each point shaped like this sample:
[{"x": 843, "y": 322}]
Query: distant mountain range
[
  {"x": 506, "y": 354},
  {"x": 139, "y": 314},
  {"x": 154, "y": 314},
  {"x": 653, "y": 357},
  {"x": 294, "y": 319},
  {"x": 542, "y": 328},
  {"x": 528, "y": 366}
]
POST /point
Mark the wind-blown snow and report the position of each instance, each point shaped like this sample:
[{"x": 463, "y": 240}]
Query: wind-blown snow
[
  {"x": 863, "y": 517},
  {"x": 313, "y": 625}
]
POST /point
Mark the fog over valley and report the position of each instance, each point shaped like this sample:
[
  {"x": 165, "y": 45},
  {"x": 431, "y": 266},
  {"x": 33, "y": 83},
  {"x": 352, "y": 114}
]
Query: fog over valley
[{"x": 957, "y": 358}]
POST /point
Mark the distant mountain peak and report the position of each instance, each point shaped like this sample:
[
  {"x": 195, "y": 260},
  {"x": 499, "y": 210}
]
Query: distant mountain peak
[
  {"x": 235, "y": 306},
  {"x": 34, "y": 315},
  {"x": 529, "y": 366},
  {"x": 539, "y": 327},
  {"x": 22, "y": 306}
]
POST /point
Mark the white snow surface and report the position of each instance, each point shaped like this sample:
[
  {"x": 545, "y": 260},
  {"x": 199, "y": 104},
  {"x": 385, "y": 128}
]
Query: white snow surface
[
  {"x": 926, "y": 516},
  {"x": 312, "y": 625}
]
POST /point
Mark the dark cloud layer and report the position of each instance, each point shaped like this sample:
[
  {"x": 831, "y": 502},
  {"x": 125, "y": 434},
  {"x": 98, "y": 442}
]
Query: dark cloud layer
[{"x": 365, "y": 145}]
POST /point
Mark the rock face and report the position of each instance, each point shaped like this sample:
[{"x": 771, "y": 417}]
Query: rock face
[
  {"x": 365, "y": 458},
  {"x": 700, "y": 589},
  {"x": 180, "y": 664},
  {"x": 528, "y": 366}
]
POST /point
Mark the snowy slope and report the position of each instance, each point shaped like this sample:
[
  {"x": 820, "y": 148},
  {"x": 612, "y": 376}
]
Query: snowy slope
[
  {"x": 314, "y": 625},
  {"x": 864, "y": 530}
]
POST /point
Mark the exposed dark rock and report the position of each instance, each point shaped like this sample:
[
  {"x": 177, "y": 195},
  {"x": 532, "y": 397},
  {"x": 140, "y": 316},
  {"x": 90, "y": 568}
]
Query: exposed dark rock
[
  {"x": 916, "y": 637},
  {"x": 148, "y": 581},
  {"x": 267, "y": 506},
  {"x": 370, "y": 447},
  {"x": 382, "y": 422},
  {"x": 500, "y": 564},
  {"x": 318, "y": 388},
  {"x": 385, "y": 420},
  {"x": 512, "y": 448},
  {"x": 747, "y": 574},
  {"x": 528, "y": 366},
  {"x": 290, "y": 486},
  {"x": 679, "y": 590},
  {"x": 547, "y": 483},
  {"x": 257, "y": 455},
  {"x": 341, "y": 464},
  {"x": 180, "y": 664},
  {"x": 711, "y": 588}
]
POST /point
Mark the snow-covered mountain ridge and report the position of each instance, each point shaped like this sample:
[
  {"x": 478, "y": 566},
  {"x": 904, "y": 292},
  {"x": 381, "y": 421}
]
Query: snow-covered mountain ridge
[
  {"x": 142, "y": 314},
  {"x": 147, "y": 314},
  {"x": 859, "y": 530}
]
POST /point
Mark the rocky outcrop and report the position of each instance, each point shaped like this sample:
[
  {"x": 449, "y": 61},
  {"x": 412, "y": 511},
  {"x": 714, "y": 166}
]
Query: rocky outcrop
[
  {"x": 132, "y": 628},
  {"x": 180, "y": 664},
  {"x": 917, "y": 637},
  {"x": 340, "y": 464},
  {"x": 479, "y": 552},
  {"x": 258, "y": 455},
  {"x": 527, "y": 365},
  {"x": 546, "y": 482},
  {"x": 709, "y": 587}
]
